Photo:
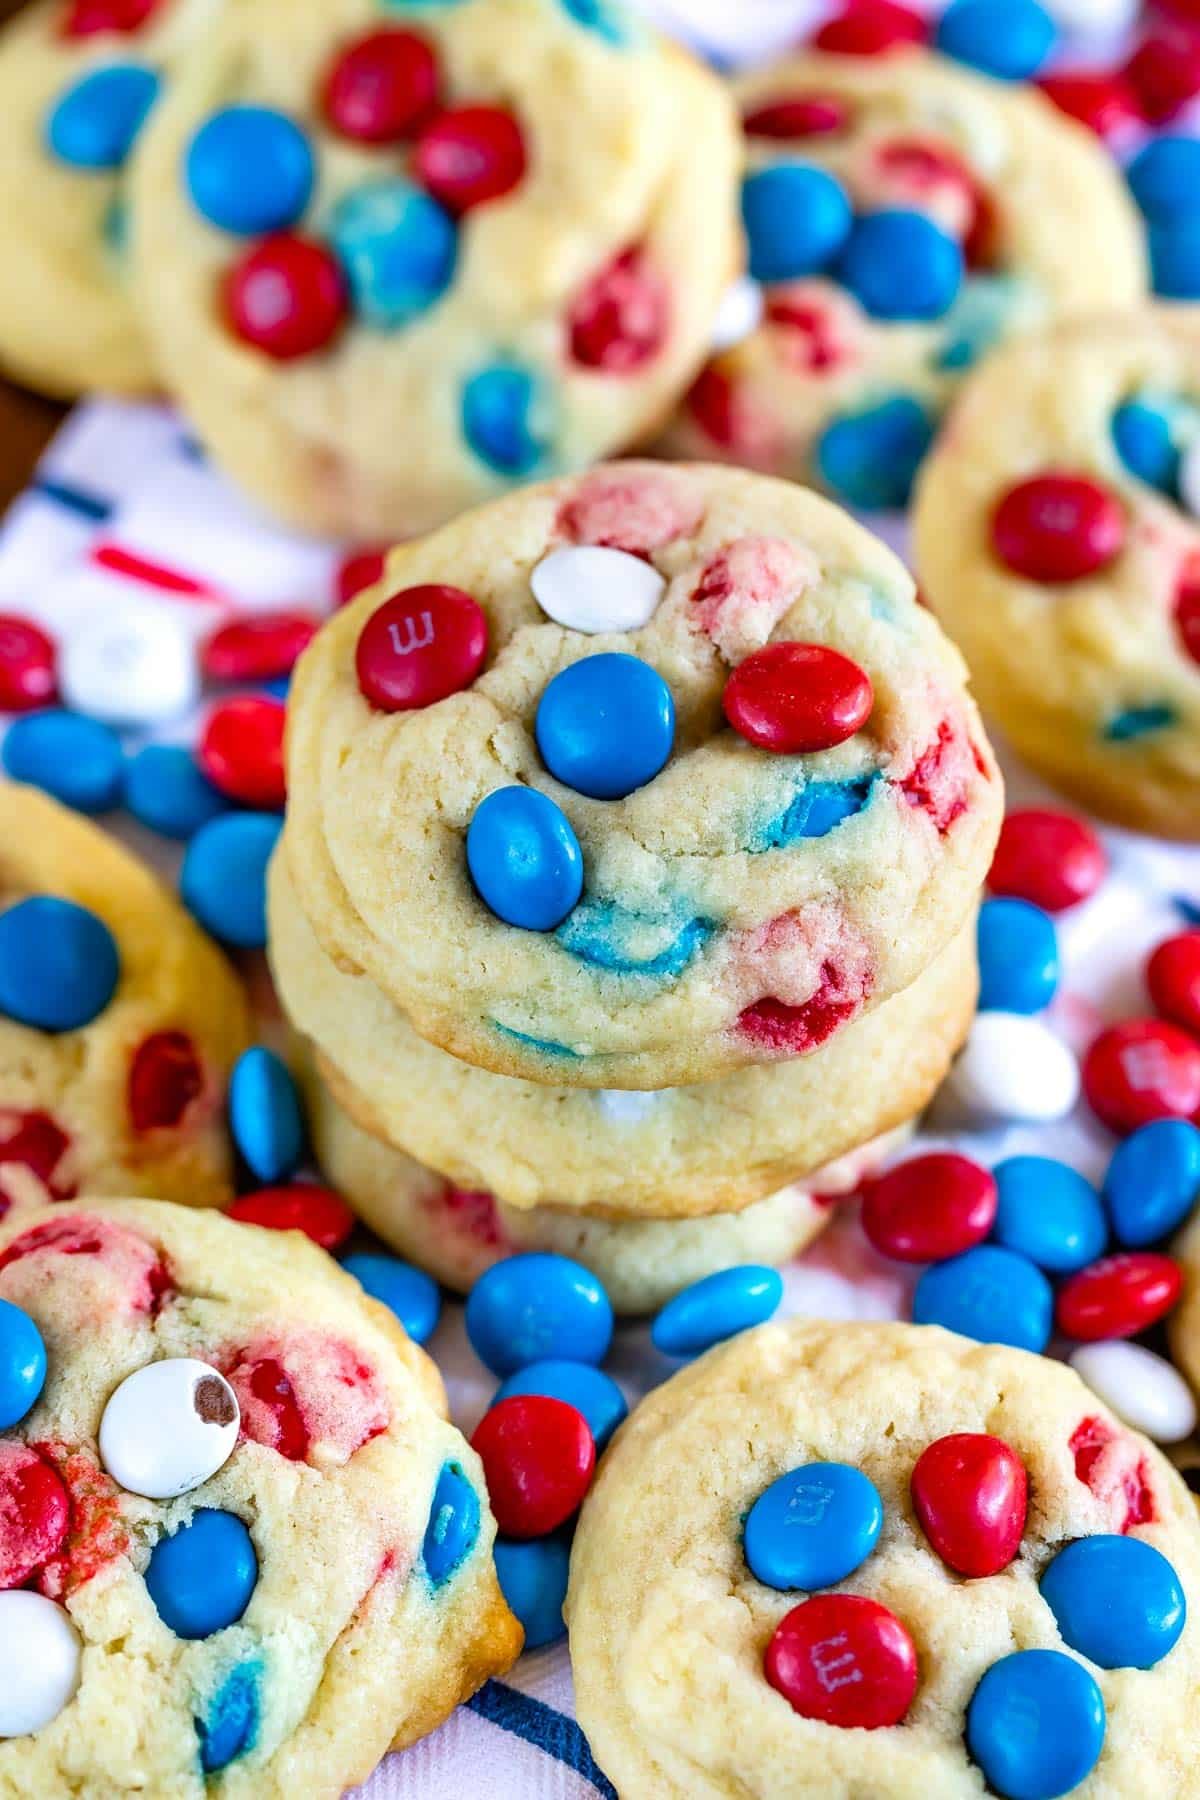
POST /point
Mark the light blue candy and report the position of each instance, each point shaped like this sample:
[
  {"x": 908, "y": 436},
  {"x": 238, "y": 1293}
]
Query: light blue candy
[
  {"x": 990, "y": 1294},
  {"x": 978, "y": 320},
  {"x": 230, "y": 1726},
  {"x": 1116, "y": 1600},
  {"x": 1165, "y": 178},
  {"x": 506, "y": 419},
  {"x": 224, "y": 876},
  {"x": 265, "y": 1115},
  {"x": 819, "y": 808},
  {"x": 1153, "y": 1182},
  {"x": 79, "y": 761},
  {"x": 1036, "y": 1725},
  {"x": 411, "y": 1294},
  {"x": 1009, "y": 39},
  {"x": 95, "y": 123},
  {"x": 716, "y": 1308},
  {"x": 606, "y": 725},
  {"x": 1175, "y": 258},
  {"x": 398, "y": 247},
  {"x": 453, "y": 1527},
  {"x": 588, "y": 1389},
  {"x": 250, "y": 170},
  {"x": 59, "y": 964},
  {"x": 813, "y": 1526},
  {"x": 1018, "y": 957},
  {"x": 602, "y": 17},
  {"x": 165, "y": 790},
  {"x": 1049, "y": 1213},
  {"x": 202, "y": 1578},
  {"x": 533, "y": 1579},
  {"x": 609, "y": 936},
  {"x": 870, "y": 458},
  {"x": 797, "y": 217},
  {"x": 900, "y": 265},
  {"x": 524, "y": 858},
  {"x": 1143, "y": 439},
  {"x": 22, "y": 1364},
  {"x": 534, "y": 1306}
]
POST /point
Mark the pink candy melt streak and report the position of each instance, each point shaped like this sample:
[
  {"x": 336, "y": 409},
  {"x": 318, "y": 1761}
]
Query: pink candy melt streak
[
  {"x": 818, "y": 330},
  {"x": 1110, "y": 1465},
  {"x": 639, "y": 513},
  {"x": 474, "y": 1213},
  {"x": 940, "y": 779},
  {"x": 34, "y": 1512},
  {"x": 96, "y": 1534},
  {"x": 309, "y": 1396},
  {"x": 745, "y": 589},
  {"x": 818, "y": 973},
  {"x": 33, "y": 1141},
  {"x": 112, "y": 1270},
  {"x": 621, "y": 319},
  {"x": 735, "y": 421}
]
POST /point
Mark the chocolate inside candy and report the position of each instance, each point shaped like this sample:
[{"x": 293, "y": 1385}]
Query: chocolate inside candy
[{"x": 213, "y": 1401}]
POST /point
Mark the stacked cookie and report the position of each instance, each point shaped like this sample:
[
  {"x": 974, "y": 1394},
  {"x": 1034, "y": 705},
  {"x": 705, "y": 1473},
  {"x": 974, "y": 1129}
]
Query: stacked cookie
[{"x": 635, "y": 829}]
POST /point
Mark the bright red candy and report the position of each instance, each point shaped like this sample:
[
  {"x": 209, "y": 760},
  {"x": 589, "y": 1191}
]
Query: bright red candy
[
  {"x": 1058, "y": 527},
  {"x": 791, "y": 116},
  {"x": 87, "y": 18},
  {"x": 1050, "y": 858},
  {"x": 1164, "y": 73},
  {"x": 26, "y": 665},
  {"x": 621, "y": 318},
  {"x": 1187, "y": 607},
  {"x": 1173, "y": 977},
  {"x": 1103, "y": 102},
  {"x": 303, "y": 1206},
  {"x": 241, "y": 750},
  {"x": 287, "y": 297},
  {"x": 538, "y": 1456},
  {"x": 929, "y": 1208},
  {"x": 1142, "y": 1070},
  {"x": 34, "y": 1513},
  {"x": 469, "y": 155},
  {"x": 845, "y": 1660},
  {"x": 792, "y": 698},
  {"x": 970, "y": 1492},
  {"x": 359, "y": 571},
  {"x": 1118, "y": 1296},
  {"x": 165, "y": 1077},
  {"x": 258, "y": 648},
  {"x": 382, "y": 87},
  {"x": 420, "y": 646},
  {"x": 869, "y": 27}
]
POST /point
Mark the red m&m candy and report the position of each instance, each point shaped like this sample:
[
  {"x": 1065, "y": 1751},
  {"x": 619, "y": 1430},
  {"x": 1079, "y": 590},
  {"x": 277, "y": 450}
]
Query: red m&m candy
[
  {"x": 538, "y": 1455},
  {"x": 1187, "y": 607},
  {"x": 970, "y": 1493},
  {"x": 87, "y": 18},
  {"x": 870, "y": 27},
  {"x": 422, "y": 645},
  {"x": 469, "y": 155},
  {"x": 845, "y": 1660},
  {"x": 1173, "y": 977},
  {"x": 258, "y": 648},
  {"x": 1164, "y": 73},
  {"x": 620, "y": 319},
  {"x": 792, "y": 116},
  {"x": 1142, "y": 1070},
  {"x": 1103, "y": 102},
  {"x": 1049, "y": 858},
  {"x": 359, "y": 571},
  {"x": 1118, "y": 1296},
  {"x": 303, "y": 1206},
  {"x": 26, "y": 665},
  {"x": 1058, "y": 527},
  {"x": 382, "y": 87},
  {"x": 792, "y": 698},
  {"x": 287, "y": 297},
  {"x": 165, "y": 1077},
  {"x": 929, "y": 1208},
  {"x": 241, "y": 750},
  {"x": 34, "y": 1513}
]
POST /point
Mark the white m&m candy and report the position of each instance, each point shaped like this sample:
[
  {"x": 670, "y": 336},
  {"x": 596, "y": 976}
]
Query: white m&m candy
[
  {"x": 1013, "y": 1067},
  {"x": 589, "y": 588},
  {"x": 739, "y": 314},
  {"x": 129, "y": 667},
  {"x": 1189, "y": 478},
  {"x": 1142, "y": 1388},
  {"x": 169, "y": 1427},
  {"x": 40, "y": 1655}
]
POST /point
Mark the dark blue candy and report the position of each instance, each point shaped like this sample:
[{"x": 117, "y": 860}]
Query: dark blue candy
[
  {"x": 819, "y": 808},
  {"x": 1144, "y": 441},
  {"x": 1165, "y": 178},
  {"x": 612, "y": 937},
  {"x": 1018, "y": 957},
  {"x": 538, "y": 1305},
  {"x": 398, "y": 247},
  {"x": 453, "y": 1527},
  {"x": 59, "y": 965},
  {"x": 606, "y": 725},
  {"x": 1009, "y": 39},
  {"x": 1049, "y": 1213},
  {"x": 411, "y": 1294},
  {"x": 79, "y": 761},
  {"x": 715, "y": 1308},
  {"x": 265, "y": 1115},
  {"x": 813, "y": 1526},
  {"x": 524, "y": 858},
  {"x": 588, "y": 1389},
  {"x": 201, "y": 1579},
  {"x": 250, "y": 170},
  {"x": 224, "y": 876},
  {"x": 22, "y": 1364},
  {"x": 504, "y": 419},
  {"x": 1116, "y": 1601},
  {"x": 1153, "y": 1182},
  {"x": 797, "y": 218},
  {"x": 533, "y": 1579},
  {"x": 230, "y": 1726},
  {"x": 900, "y": 265},
  {"x": 870, "y": 458},
  {"x": 1175, "y": 258},
  {"x": 166, "y": 791},
  {"x": 990, "y": 1294},
  {"x": 1036, "y": 1724},
  {"x": 95, "y": 123}
]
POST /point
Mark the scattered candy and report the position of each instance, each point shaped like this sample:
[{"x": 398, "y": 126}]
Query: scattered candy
[
  {"x": 929, "y": 1208},
  {"x": 870, "y": 458},
  {"x": 360, "y": 570},
  {"x": 1049, "y": 1213},
  {"x": 1143, "y": 1389},
  {"x": 40, "y": 1657},
  {"x": 813, "y": 1526},
  {"x": 1140, "y": 1071},
  {"x": 530, "y": 1307},
  {"x": 1013, "y": 1067},
  {"x": 970, "y": 1493},
  {"x": 870, "y": 28},
  {"x": 797, "y": 218},
  {"x": 1009, "y": 39},
  {"x": 791, "y": 698},
  {"x": 241, "y": 750},
  {"x": 382, "y": 87},
  {"x": 165, "y": 790},
  {"x": 538, "y": 1456},
  {"x": 303, "y": 1206},
  {"x": 1035, "y": 1724},
  {"x": 250, "y": 171},
  {"x": 79, "y": 761},
  {"x": 591, "y": 588},
  {"x": 265, "y": 1115},
  {"x": 715, "y": 1308},
  {"x": 132, "y": 667},
  {"x": 588, "y": 1389},
  {"x": 1153, "y": 1182},
  {"x": 408, "y": 1292},
  {"x": 533, "y": 1580},
  {"x": 606, "y": 725},
  {"x": 900, "y": 265},
  {"x": 286, "y": 297},
  {"x": 524, "y": 858},
  {"x": 168, "y": 1428},
  {"x": 1164, "y": 72},
  {"x": 989, "y": 1294},
  {"x": 1018, "y": 957},
  {"x": 453, "y": 1528},
  {"x": 95, "y": 123},
  {"x": 1164, "y": 177},
  {"x": 470, "y": 155},
  {"x": 1105, "y": 103},
  {"x": 1116, "y": 1600},
  {"x": 1173, "y": 978},
  {"x": 1175, "y": 259},
  {"x": 1051, "y": 859},
  {"x": 27, "y": 662},
  {"x": 201, "y": 1579},
  {"x": 22, "y": 1364},
  {"x": 1119, "y": 1296},
  {"x": 1058, "y": 527},
  {"x": 845, "y": 1660},
  {"x": 59, "y": 964},
  {"x": 420, "y": 646}
]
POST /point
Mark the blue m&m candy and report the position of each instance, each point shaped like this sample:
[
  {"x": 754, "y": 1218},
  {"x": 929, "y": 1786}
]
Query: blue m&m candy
[
  {"x": 813, "y": 1526},
  {"x": 1018, "y": 957},
  {"x": 1045, "y": 1210},
  {"x": 250, "y": 170},
  {"x": 1144, "y": 441},
  {"x": 1153, "y": 1181},
  {"x": 95, "y": 123},
  {"x": 606, "y": 725},
  {"x": 538, "y": 1305},
  {"x": 1175, "y": 258},
  {"x": 715, "y": 1308},
  {"x": 524, "y": 858},
  {"x": 870, "y": 458},
  {"x": 202, "y": 1578},
  {"x": 1009, "y": 39},
  {"x": 588, "y": 1389},
  {"x": 224, "y": 876},
  {"x": 452, "y": 1530},
  {"x": 1036, "y": 1724},
  {"x": 900, "y": 265},
  {"x": 797, "y": 218},
  {"x": 59, "y": 965},
  {"x": 165, "y": 790},
  {"x": 22, "y": 1364},
  {"x": 533, "y": 1579},
  {"x": 1164, "y": 177},
  {"x": 1116, "y": 1601},
  {"x": 990, "y": 1294},
  {"x": 79, "y": 761},
  {"x": 506, "y": 419},
  {"x": 265, "y": 1115},
  {"x": 409, "y": 1293},
  {"x": 231, "y": 1722},
  {"x": 398, "y": 247}
]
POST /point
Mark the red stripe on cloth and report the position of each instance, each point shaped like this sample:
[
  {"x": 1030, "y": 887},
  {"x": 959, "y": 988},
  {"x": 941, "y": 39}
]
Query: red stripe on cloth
[{"x": 152, "y": 574}]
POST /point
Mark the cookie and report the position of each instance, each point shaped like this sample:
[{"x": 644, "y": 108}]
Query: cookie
[
  {"x": 484, "y": 242},
  {"x": 683, "y": 781},
  {"x": 904, "y": 215},
  {"x": 1054, "y": 538},
  {"x": 119, "y": 1021},
  {"x": 239, "y": 1497},
  {"x": 864, "y": 1559},
  {"x": 1184, "y": 1323}
]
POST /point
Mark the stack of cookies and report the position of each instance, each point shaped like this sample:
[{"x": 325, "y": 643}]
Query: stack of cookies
[{"x": 635, "y": 829}]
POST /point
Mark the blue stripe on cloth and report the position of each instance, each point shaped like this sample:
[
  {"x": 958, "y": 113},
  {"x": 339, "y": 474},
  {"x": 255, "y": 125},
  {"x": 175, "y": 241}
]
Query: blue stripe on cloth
[
  {"x": 1189, "y": 908},
  {"x": 88, "y": 506},
  {"x": 540, "y": 1725}
]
